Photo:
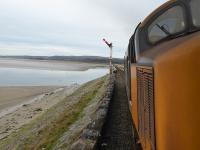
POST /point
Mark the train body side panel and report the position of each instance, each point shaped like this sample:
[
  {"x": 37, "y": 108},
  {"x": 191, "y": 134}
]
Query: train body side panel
[
  {"x": 177, "y": 97},
  {"x": 134, "y": 95}
]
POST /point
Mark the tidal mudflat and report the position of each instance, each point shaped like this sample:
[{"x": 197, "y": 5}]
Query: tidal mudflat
[{"x": 29, "y": 88}]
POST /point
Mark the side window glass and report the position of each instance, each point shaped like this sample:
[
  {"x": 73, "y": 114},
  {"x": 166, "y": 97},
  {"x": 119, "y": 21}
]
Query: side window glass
[
  {"x": 132, "y": 51},
  {"x": 170, "y": 22},
  {"x": 195, "y": 10}
]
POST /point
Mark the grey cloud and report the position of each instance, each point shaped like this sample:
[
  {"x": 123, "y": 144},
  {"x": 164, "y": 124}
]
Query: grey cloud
[{"x": 77, "y": 24}]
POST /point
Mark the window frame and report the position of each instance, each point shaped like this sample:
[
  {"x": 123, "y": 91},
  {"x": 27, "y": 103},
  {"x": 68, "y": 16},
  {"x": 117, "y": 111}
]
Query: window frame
[
  {"x": 137, "y": 42},
  {"x": 161, "y": 12}
]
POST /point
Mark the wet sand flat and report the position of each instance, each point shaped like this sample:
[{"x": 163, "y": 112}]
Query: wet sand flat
[
  {"x": 19, "y": 112},
  {"x": 10, "y": 96},
  {"x": 47, "y": 64}
]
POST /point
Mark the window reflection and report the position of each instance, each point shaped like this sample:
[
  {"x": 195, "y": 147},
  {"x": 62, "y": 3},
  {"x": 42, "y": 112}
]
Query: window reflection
[
  {"x": 195, "y": 10},
  {"x": 169, "y": 23}
]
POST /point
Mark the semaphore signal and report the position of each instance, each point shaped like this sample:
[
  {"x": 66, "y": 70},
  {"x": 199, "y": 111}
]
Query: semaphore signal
[{"x": 110, "y": 45}]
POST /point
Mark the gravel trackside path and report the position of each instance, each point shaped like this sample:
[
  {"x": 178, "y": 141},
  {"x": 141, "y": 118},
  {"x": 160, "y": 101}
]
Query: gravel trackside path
[{"x": 117, "y": 131}]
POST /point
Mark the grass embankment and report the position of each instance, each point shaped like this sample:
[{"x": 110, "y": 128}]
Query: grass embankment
[{"x": 44, "y": 131}]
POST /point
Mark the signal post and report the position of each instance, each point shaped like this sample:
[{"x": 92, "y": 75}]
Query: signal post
[{"x": 110, "y": 45}]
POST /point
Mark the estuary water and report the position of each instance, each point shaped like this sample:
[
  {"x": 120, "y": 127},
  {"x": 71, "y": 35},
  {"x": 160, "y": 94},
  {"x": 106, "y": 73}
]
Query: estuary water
[{"x": 36, "y": 77}]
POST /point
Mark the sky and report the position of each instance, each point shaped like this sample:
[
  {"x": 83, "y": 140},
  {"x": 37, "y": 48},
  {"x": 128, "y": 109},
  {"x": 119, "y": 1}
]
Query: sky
[{"x": 69, "y": 27}]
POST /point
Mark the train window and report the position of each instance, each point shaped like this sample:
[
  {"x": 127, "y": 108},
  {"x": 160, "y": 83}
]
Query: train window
[
  {"x": 169, "y": 23},
  {"x": 132, "y": 51},
  {"x": 195, "y": 4}
]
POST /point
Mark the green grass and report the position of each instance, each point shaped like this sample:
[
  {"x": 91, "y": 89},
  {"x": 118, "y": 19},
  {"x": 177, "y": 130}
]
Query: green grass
[{"x": 65, "y": 121}]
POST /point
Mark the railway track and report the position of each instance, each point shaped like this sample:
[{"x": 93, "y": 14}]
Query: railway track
[{"x": 117, "y": 131}]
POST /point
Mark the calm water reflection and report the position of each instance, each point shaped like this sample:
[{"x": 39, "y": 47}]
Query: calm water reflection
[{"x": 34, "y": 77}]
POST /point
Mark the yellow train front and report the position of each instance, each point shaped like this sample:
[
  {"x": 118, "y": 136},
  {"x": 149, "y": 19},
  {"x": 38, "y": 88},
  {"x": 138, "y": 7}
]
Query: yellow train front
[{"x": 163, "y": 77}]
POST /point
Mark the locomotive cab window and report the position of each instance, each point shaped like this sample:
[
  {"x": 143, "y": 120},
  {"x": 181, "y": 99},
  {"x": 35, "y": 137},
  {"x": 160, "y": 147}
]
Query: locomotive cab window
[
  {"x": 171, "y": 22},
  {"x": 194, "y": 5}
]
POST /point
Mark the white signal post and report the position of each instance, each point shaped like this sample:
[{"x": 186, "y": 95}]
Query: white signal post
[{"x": 110, "y": 45}]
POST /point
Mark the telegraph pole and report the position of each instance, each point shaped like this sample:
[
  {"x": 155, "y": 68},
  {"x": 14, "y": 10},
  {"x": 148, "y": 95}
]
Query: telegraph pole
[{"x": 110, "y": 45}]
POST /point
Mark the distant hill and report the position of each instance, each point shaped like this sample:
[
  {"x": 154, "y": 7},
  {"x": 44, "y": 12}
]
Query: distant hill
[{"x": 91, "y": 59}]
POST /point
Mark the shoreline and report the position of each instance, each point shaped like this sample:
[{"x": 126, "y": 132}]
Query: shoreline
[
  {"x": 19, "y": 105},
  {"x": 61, "y": 124},
  {"x": 28, "y": 101},
  {"x": 15, "y": 116},
  {"x": 13, "y": 95}
]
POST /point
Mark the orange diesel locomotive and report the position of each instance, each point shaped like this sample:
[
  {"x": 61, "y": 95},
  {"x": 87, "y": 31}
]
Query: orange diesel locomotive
[{"x": 162, "y": 70}]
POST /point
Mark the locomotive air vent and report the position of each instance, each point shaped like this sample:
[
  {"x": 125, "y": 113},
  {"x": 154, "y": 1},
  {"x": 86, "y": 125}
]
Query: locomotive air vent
[{"x": 146, "y": 105}]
